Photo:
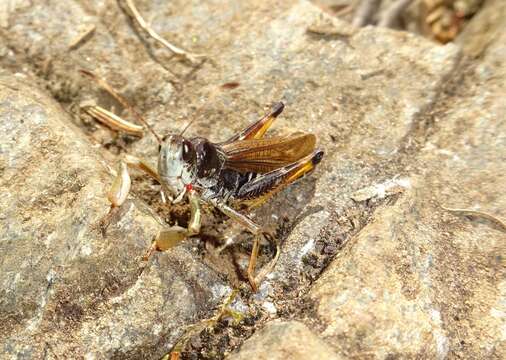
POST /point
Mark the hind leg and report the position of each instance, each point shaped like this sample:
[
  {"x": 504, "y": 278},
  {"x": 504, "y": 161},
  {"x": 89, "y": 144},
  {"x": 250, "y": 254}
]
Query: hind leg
[{"x": 256, "y": 230}]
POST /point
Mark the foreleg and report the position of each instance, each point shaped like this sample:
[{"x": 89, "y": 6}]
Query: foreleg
[
  {"x": 122, "y": 183},
  {"x": 170, "y": 237}
]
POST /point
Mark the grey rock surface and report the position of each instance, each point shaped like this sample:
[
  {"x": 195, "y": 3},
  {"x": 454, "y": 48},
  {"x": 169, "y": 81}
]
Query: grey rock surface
[
  {"x": 68, "y": 289},
  {"x": 371, "y": 266},
  {"x": 285, "y": 340},
  {"x": 432, "y": 282}
]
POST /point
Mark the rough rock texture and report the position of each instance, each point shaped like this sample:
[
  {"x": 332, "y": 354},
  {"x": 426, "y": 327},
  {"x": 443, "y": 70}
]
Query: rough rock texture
[
  {"x": 406, "y": 125},
  {"x": 67, "y": 288},
  {"x": 281, "y": 340},
  {"x": 430, "y": 284}
]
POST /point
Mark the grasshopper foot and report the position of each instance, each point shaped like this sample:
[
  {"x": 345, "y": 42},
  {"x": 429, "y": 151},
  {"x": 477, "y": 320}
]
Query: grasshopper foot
[
  {"x": 256, "y": 280},
  {"x": 166, "y": 239}
]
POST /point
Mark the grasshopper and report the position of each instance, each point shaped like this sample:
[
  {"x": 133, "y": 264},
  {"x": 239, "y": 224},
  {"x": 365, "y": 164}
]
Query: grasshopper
[{"x": 241, "y": 172}]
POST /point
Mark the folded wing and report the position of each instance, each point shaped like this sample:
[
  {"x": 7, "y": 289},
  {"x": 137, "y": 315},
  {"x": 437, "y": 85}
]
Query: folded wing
[{"x": 267, "y": 154}]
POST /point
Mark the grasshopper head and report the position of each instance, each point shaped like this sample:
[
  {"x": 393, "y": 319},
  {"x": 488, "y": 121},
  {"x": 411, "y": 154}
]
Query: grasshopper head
[{"x": 176, "y": 161}]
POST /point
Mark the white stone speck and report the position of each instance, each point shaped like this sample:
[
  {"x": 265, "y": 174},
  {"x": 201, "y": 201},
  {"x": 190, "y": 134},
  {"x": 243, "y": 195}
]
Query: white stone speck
[
  {"x": 263, "y": 292},
  {"x": 86, "y": 250},
  {"x": 435, "y": 316},
  {"x": 89, "y": 356},
  {"x": 441, "y": 345},
  {"x": 220, "y": 291},
  {"x": 239, "y": 306},
  {"x": 269, "y": 307},
  {"x": 382, "y": 190},
  {"x": 307, "y": 247}
]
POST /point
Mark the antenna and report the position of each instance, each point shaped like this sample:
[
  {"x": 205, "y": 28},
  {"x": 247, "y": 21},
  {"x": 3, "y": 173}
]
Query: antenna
[
  {"x": 195, "y": 115},
  {"x": 101, "y": 82},
  {"x": 187, "y": 126}
]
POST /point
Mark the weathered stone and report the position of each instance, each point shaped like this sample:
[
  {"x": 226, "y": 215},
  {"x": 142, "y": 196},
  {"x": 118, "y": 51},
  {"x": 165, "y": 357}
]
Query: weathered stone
[
  {"x": 366, "y": 88},
  {"x": 280, "y": 340},
  {"x": 484, "y": 29},
  {"x": 67, "y": 288},
  {"x": 387, "y": 293},
  {"x": 415, "y": 281}
]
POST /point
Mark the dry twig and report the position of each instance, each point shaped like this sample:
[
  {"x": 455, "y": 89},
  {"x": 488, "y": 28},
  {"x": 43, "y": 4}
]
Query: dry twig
[
  {"x": 101, "y": 82},
  {"x": 468, "y": 212},
  {"x": 114, "y": 121},
  {"x": 344, "y": 11},
  {"x": 145, "y": 26},
  {"x": 393, "y": 12},
  {"x": 365, "y": 11},
  {"x": 194, "y": 329},
  {"x": 82, "y": 37}
]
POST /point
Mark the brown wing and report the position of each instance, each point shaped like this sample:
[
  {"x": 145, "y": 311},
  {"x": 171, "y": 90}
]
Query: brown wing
[
  {"x": 258, "y": 128},
  {"x": 256, "y": 192},
  {"x": 264, "y": 155}
]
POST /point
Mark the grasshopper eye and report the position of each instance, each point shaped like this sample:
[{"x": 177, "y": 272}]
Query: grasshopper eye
[{"x": 188, "y": 151}]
